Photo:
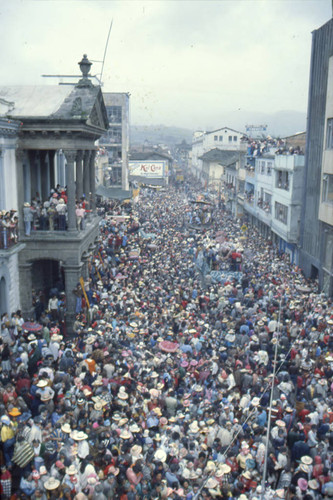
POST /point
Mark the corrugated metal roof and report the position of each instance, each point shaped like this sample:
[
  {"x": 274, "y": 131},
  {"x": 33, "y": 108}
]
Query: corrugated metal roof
[
  {"x": 32, "y": 101},
  {"x": 148, "y": 180},
  {"x": 220, "y": 156},
  {"x": 147, "y": 155},
  {"x": 114, "y": 193},
  {"x": 53, "y": 102}
]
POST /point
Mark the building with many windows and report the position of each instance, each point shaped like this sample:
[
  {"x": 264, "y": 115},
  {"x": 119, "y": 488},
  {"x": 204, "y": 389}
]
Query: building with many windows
[
  {"x": 316, "y": 241},
  {"x": 116, "y": 140},
  {"x": 272, "y": 199},
  {"x": 225, "y": 139}
]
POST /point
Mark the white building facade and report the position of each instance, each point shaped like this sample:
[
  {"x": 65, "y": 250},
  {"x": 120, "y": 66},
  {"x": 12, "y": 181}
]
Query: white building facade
[
  {"x": 273, "y": 199},
  {"x": 9, "y": 247},
  {"x": 116, "y": 140},
  {"x": 225, "y": 139}
]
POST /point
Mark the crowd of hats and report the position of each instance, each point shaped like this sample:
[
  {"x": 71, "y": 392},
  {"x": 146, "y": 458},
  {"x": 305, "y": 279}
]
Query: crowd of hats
[{"x": 165, "y": 390}]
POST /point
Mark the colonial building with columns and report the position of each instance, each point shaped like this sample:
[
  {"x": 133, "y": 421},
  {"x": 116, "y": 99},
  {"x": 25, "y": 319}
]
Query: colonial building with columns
[
  {"x": 54, "y": 144},
  {"x": 9, "y": 252}
]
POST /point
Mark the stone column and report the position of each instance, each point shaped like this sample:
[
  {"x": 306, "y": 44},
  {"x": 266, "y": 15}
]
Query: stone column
[
  {"x": 86, "y": 177},
  {"x": 52, "y": 170},
  {"x": 39, "y": 166},
  {"x": 72, "y": 277},
  {"x": 60, "y": 169},
  {"x": 2, "y": 183},
  {"x": 79, "y": 176},
  {"x": 48, "y": 176},
  {"x": 44, "y": 193},
  {"x": 85, "y": 271},
  {"x": 26, "y": 289},
  {"x": 92, "y": 181},
  {"x": 33, "y": 173},
  {"x": 70, "y": 157},
  {"x": 19, "y": 153}
]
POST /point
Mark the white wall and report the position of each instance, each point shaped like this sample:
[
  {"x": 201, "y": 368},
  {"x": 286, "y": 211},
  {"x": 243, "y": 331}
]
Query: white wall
[
  {"x": 210, "y": 141},
  {"x": 9, "y": 188}
]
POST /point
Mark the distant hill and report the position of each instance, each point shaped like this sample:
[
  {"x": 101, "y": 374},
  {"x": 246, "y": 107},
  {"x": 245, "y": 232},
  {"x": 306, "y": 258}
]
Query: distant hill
[
  {"x": 280, "y": 124},
  {"x": 159, "y": 134}
]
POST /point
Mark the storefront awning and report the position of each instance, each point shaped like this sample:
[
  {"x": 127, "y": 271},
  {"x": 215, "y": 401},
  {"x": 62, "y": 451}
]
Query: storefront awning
[
  {"x": 152, "y": 181},
  {"x": 114, "y": 193}
]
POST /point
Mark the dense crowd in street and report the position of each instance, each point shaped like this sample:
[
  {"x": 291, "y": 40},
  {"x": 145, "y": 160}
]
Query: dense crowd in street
[{"x": 171, "y": 379}]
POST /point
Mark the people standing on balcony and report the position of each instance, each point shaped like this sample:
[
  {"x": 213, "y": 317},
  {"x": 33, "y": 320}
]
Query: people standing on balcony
[
  {"x": 61, "y": 211},
  {"x": 80, "y": 211},
  {"x": 54, "y": 199},
  {"x": 63, "y": 196},
  {"x": 4, "y": 229},
  {"x": 44, "y": 216},
  {"x": 27, "y": 217},
  {"x": 52, "y": 213}
]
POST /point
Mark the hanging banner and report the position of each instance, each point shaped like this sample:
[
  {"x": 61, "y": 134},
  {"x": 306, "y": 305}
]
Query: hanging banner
[
  {"x": 156, "y": 169},
  {"x": 84, "y": 291}
]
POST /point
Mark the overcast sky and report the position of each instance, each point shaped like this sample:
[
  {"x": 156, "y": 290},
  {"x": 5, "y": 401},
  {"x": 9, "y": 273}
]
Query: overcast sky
[{"x": 185, "y": 63}]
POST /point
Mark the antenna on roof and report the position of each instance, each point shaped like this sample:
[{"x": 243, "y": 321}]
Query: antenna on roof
[
  {"x": 89, "y": 76},
  {"x": 105, "y": 50},
  {"x": 84, "y": 81}
]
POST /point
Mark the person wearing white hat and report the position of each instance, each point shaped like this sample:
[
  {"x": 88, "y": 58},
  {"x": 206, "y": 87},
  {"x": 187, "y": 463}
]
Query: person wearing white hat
[
  {"x": 61, "y": 208},
  {"x": 72, "y": 477},
  {"x": 27, "y": 217},
  {"x": 54, "y": 346},
  {"x": 83, "y": 447},
  {"x": 46, "y": 393},
  {"x": 52, "y": 484},
  {"x": 244, "y": 455}
]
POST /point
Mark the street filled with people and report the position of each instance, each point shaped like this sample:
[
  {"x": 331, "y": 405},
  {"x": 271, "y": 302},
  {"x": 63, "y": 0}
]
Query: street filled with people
[{"x": 200, "y": 367}]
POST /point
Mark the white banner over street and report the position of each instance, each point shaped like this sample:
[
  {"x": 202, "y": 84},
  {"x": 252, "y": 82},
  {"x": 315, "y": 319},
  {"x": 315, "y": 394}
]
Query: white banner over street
[{"x": 156, "y": 169}]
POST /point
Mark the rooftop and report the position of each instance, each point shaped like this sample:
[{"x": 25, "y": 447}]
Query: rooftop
[
  {"x": 220, "y": 156},
  {"x": 32, "y": 101},
  {"x": 147, "y": 155},
  {"x": 54, "y": 103},
  {"x": 224, "y": 128}
]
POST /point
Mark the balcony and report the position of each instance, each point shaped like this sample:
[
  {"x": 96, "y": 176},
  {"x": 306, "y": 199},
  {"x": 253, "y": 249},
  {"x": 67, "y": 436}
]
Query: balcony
[
  {"x": 264, "y": 215},
  {"x": 54, "y": 230},
  {"x": 250, "y": 172},
  {"x": 8, "y": 237},
  {"x": 241, "y": 198},
  {"x": 288, "y": 162},
  {"x": 265, "y": 206}
]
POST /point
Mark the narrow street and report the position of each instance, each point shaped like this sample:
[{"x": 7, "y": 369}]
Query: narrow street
[{"x": 166, "y": 389}]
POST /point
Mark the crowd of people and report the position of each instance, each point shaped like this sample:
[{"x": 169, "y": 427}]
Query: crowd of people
[
  {"x": 8, "y": 228},
  {"x": 173, "y": 386},
  {"x": 51, "y": 214}
]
